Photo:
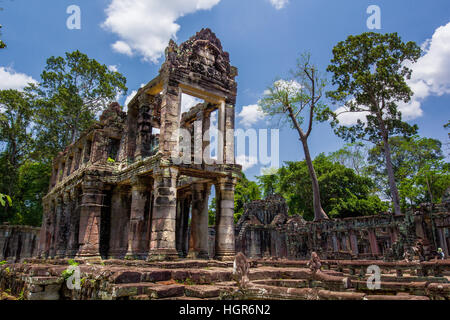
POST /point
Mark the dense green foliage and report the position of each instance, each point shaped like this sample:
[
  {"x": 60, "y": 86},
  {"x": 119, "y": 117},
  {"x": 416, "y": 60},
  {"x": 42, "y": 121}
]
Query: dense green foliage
[
  {"x": 343, "y": 192},
  {"x": 420, "y": 170},
  {"x": 370, "y": 72},
  {"x": 72, "y": 91},
  {"x": 37, "y": 123},
  {"x": 245, "y": 192}
]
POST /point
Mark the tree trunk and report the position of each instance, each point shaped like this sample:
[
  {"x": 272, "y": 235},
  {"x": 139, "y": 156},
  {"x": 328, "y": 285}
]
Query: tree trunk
[
  {"x": 319, "y": 213},
  {"x": 429, "y": 190},
  {"x": 391, "y": 176}
]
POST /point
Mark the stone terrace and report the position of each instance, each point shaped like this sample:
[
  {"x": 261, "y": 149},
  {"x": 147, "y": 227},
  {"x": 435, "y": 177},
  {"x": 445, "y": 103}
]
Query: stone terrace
[{"x": 204, "y": 280}]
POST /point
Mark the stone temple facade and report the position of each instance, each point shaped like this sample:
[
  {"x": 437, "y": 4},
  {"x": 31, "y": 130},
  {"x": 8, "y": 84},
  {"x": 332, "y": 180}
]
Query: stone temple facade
[
  {"x": 118, "y": 192},
  {"x": 265, "y": 230}
]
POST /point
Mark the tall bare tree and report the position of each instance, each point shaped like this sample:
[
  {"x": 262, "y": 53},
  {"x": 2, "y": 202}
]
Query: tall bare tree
[{"x": 297, "y": 101}]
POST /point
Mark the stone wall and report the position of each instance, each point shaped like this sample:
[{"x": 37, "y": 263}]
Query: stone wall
[
  {"x": 266, "y": 230},
  {"x": 18, "y": 242}
]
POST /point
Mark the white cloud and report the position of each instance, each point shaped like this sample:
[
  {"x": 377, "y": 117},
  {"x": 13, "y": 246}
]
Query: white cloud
[
  {"x": 350, "y": 118},
  {"x": 430, "y": 76},
  {"x": 113, "y": 68},
  {"x": 123, "y": 48},
  {"x": 247, "y": 162},
  {"x": 431, "y": 73},
  {"x": 187, "y": 102},
  {"x": 130, "y": 97},
  {"x": 10, "y": 79},
  {"x": 279, "y": 4},
  {"x": 250, "y": 115},
  {"x": 144, "y": 27}
]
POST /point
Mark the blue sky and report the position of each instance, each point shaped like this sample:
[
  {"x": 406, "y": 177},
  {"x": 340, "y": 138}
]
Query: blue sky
[{"x": 263, "y": 41}]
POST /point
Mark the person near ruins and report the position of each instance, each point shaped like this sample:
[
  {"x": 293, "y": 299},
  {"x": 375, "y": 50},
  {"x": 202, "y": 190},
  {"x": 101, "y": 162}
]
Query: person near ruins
[
  {"x": 314, "y": 263},
  {"x": 441, "y": 254}
]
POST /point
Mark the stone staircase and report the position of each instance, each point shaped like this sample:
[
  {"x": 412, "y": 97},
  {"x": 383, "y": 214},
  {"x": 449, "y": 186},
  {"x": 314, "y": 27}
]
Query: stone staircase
[{"x": 213, "y": 280}]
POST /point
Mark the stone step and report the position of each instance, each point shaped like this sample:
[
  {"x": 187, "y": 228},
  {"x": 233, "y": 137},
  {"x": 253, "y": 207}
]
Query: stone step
[
  {"x": 202, "y": 291},
  {"x": 396, "y": 297},
  {"x": 154, "y": 291},
  {"x": 286, "y": 283}
]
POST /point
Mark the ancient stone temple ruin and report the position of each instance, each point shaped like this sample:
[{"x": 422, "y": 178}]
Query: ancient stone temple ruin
[
  {"x": 266, "y": 230},
  {"x": 119, "y": 191}
]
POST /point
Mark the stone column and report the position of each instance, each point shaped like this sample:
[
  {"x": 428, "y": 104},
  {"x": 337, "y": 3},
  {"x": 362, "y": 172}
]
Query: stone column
[
  {"x": 86, "y": 153},
  {"x": 170, "y": 109},
  {"x": 74, "y": 224},
  {"x": 56, "y": 222},
  {"x": 63, "y": 229},
  {"x": 90, "y": 217},
  {"x": 354, "y": 243},
  {"x": 373, "y": 242},
  {"x": 221, "y": 135},
  {"x": 163, "y": 229},
  {"x": 229, "y": 134},
  {"x": 43, "y": 232},
  {"x": 225, "y": 242},
  {"x": 182, "y": 223},
  {"x": 120, "y": 221},
  {"x": 140, "y": 194},
  {"x": 144, "y": 128},
  {"x": 198, "y": 243}
]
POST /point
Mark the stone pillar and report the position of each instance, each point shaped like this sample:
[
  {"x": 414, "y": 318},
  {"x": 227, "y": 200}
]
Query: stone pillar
[
  {"x": 54, "y": 178},
  {"x": 63, "y": 225},
  {"x": 221, "y": 135},
  {"x": 182, "y": 224},
  {"x": 56, "y": 222},
  {"x": 229, "y": 134},
  {"x": 74, "y": 224},
  {"x": 69, "y": 162},
  {"x": 144, "y": 128},
  {"x": 198, "y": 242},
  {"x": 43, "y": 232},
  {"x": 170, "y": 109},
  {"x": 162, "y": 239},
  {"x": 99, "y": 148},
  {"x": 354, "y": 243},
  {"x": 120, "y": 221},
  {"x": 225, "y": 242},
  {"x": 140, "y": 194},
  {"x": 373, "y": 242},
  {"x": 90, "y": 216},
  {"x": 86, "y": 153}
]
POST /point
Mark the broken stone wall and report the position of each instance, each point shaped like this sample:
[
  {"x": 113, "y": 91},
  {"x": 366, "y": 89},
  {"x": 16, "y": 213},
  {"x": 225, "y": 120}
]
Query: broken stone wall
[
  {"x": 18, "y": 242},
  {"x": 265, "y": 230}
]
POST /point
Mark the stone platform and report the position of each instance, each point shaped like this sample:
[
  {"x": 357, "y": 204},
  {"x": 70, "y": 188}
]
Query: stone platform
[{"x": 208, "y": 279}]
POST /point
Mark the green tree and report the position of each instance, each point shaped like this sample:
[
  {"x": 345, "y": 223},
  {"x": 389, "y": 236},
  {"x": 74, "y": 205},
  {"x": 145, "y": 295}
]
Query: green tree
[
  {"x": 293, "y": 101},
  {"x": 33, "y": 182},
  {"x": 15, "y": 142},
  {"x": 344, "y": 193},
  {"x": 370, "y": 72},
  {"x": 72, "y": 91},
  {"x": 419, "y": 167},
  {"x": 269, "y": 181},
  {"x": 245, "y": 192},
  {"x": 353, "y": 156},
  {"x": 2, "y": 44}
]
